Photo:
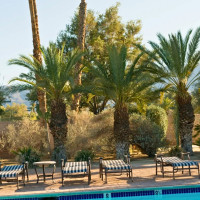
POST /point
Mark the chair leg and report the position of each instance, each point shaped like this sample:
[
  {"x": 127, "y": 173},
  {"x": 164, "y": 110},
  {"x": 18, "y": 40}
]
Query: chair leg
[
  {"x": 190, "y": 171},
  {"x": 163, "y": 171},
  {"x": 99, "y": 172},
  {"x": 17, "y": 181},
  {"x": 105, "y": 176},
  {"x": 156, "y": 168},
  {"x": 173, "y": 174},
  {"x": 27, "y": 176},
  {"x": 198, "y": 170},
  {"x": 182, "y": 169},
  {"x": 132, "y": 175},
  {"x": 88, "y": 179},
  {"x": 23, "y": 177},
  {"x": 62, "y": 179}
]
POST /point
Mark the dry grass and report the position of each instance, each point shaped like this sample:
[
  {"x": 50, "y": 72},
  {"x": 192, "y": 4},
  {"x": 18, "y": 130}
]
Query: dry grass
[{"x": 87, "y": 131}]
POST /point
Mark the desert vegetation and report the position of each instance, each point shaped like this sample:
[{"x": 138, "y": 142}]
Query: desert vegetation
[{"x": 97, "y": 90}]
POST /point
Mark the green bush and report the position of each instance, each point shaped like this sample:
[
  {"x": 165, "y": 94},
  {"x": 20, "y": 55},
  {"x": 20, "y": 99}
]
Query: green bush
[
  {"x": 15, "y": 111},
  {"x": 146, "y": 134},
  {"x": 175, "y": 151},
  {"x": 27, "y": 154},
  {"x": 198, "y": 142},
  {"x": 84, "y": 155},
  {"x": 157, "y": 115}
]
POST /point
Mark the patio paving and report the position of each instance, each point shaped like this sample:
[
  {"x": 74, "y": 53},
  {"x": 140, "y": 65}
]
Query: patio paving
[{"x": 143, "y": 177}]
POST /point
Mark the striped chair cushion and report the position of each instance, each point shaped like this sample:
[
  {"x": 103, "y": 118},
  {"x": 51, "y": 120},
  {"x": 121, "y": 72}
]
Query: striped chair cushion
[
  {"x": 177, "y": 162},
  {"x": 11, "y": 171},
  {"x": 75, "y": 167},
  {"x": 115, "y": 165},
  {"x": 72, "y": 164}
]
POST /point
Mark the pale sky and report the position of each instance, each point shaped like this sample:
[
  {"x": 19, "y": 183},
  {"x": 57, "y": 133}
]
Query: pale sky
[{"x": 157, "y": 16}]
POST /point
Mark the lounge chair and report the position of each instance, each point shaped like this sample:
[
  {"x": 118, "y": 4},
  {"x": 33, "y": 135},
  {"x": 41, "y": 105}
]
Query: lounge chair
[
  {"x": 115, "y": 166},
  {"x": 76, "y": 169},
  {"x": 176, "y": 164},
  {"x": 11, "y": 173}
]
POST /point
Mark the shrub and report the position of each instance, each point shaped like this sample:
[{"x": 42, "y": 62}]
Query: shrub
[
  {"x": 27, "y": 154},
  {"x": 198, "y": 142},
  {"x": 25, "y": 133},
  {"x": 175, "y": 151},
  {"x": 15, "y": 111},
  {"x": 158, "y": 115},
  {"x": 89, "y": 131},
  {"x": 84, "y": 155},
  {"x": 146, "y": 134}
]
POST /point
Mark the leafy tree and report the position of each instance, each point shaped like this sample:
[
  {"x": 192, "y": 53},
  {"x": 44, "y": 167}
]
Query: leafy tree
[
  {"x": 196, "y": 97},
  {"x": 158, "y": 115},
  {"x": 175, "y": 61},
  {"x": 2, "y": 99},
  {"x": 147, "y": 135},
  {"x": 102, "y": 30},
  {"x": 167, "y": 102},
  {"x": 56, "y": 80},
  {"x": 120, "y": 83},
  {"x": 15, "y": 111}
]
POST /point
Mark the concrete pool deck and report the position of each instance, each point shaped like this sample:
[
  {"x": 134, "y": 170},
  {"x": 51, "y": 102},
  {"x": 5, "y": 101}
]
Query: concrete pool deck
[{"x": 143, "y": 177}]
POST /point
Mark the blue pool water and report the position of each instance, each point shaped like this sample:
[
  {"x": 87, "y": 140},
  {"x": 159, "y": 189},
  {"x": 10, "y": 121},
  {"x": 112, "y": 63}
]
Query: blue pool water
[{"x": 164, "y": 193}]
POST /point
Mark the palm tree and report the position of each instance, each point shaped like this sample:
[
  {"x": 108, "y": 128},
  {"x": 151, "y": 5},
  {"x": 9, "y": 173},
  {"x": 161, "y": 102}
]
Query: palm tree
[
  {"x": 41, "y": 95},
  {"x": 81, "y": 45},
  {"x": 120, "y": 83},
  {"x": 55, "y": 78},
  {"x": 175, "y": 62}
]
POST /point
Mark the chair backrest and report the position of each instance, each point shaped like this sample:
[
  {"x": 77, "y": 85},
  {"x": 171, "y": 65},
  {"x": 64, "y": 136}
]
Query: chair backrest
[
  {"x": 72, "y": 164},
  {"x": 12, "y": 167},
  {"x": 113, "y": 162}
]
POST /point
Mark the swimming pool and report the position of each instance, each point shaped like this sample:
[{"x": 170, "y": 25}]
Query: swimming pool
[{"x": 165, "y": 193}]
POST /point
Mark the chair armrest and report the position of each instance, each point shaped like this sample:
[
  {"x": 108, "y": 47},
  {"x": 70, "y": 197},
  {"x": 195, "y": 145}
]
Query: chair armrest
[
  {"x": 100, "y": 160},
  {"x": 25, "y": 166},
  {"x": 89, "y": 164},
  {"x": 158, "y": 156},
  {"x": 128, "y": 159},
  {"x": 183, "y": 154},
  {"x": 62, "y": 164},
  {"x": 89, "y": 161}
]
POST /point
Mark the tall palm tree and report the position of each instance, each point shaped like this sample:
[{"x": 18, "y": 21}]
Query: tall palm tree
[
  {"x": 55, "y": 78},
  {"x": 120, "y": 83},
  {"x": 81, "y": 46},
  {"x": 175, "y": 62},
  {"x": 41, "y": 95}
]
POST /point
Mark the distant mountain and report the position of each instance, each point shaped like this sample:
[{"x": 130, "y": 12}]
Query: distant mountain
[{"x": 18, "y": 97}]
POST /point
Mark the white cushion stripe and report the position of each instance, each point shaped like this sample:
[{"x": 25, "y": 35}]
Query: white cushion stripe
[{"x": 11, "y": 171}]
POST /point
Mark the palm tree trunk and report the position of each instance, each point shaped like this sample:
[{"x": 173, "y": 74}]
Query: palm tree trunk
[
  {"x": 41, "y": 95},
  {"x": 186, "y": 121},
  {"x": 37, "y": 54},
  {"x": 58, "y": 127},
  {"x": 81, "y": 45},
  {"x": 121, "y": 131}
]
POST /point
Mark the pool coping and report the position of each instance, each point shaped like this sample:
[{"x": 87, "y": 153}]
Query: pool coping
[{"x": 157, "y": 191}]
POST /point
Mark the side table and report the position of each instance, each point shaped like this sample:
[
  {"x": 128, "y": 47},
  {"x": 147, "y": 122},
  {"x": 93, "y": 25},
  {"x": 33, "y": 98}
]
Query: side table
[{"x": 44, "y": 164}]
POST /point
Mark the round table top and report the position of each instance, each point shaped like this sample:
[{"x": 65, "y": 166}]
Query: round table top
[{"x": 45, "y": 163}]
